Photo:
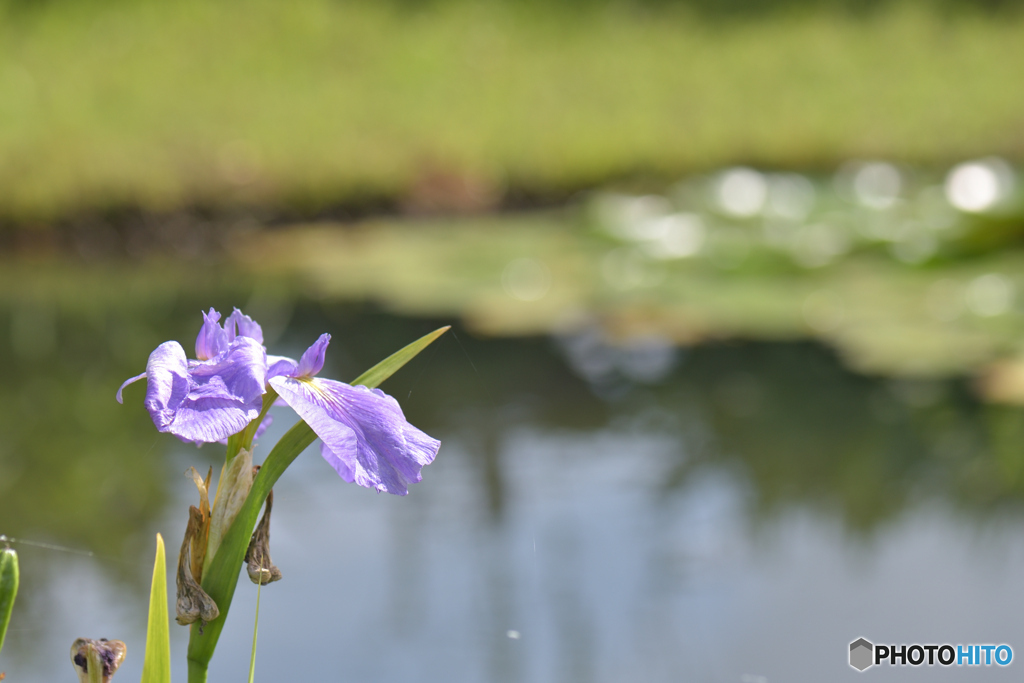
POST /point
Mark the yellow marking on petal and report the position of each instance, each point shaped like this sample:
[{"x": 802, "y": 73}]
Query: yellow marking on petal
[{"x": 317, "y": 389}]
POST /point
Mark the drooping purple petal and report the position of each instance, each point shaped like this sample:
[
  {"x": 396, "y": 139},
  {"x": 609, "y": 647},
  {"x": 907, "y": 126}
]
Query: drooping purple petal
[
  {"x": 208, "y": 420},
  {"x": 264, "y": 424},
  {"x": 366, "y": 438},
  {"x": 167, "y": 383},
  {"x": 212, "y": 339},
  {"x": 205, "y": 401},
  {"x": 246, "y": 327},
  {"x": 312, "y": 360}
]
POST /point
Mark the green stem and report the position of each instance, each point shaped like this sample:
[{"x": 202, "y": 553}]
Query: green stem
[
  {"x": 255, "y": 629},
  {"x": 197, "y": 671},
  {"x": 95, "y": 664},
  {"x": 220, "y": 580}
]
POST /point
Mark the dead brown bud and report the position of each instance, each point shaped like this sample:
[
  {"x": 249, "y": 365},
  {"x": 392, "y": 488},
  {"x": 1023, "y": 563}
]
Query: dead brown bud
[
  {"x": 193, "y": 603},
  {"x": 260, "y": 568},
  {"x": 97, "y": 660}
]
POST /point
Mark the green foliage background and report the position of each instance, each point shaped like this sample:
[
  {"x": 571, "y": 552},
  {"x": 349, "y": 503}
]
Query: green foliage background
[{"x": 318, "y": 103}]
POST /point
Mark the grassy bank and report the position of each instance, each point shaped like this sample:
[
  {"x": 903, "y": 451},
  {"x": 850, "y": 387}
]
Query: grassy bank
[{"x": 318, "y": 102}]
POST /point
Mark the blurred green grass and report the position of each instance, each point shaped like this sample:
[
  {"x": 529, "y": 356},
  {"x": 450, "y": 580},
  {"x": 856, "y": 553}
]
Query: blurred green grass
[{"x": 315, "y": 103}]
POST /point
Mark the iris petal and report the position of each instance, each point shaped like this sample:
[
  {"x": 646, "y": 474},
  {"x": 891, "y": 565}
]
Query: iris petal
[
  {"x": 209, "y": 400},
  {"x": 312, "y": 360},
  {"x": 207, "y": 420},
  {"x": 280, "y": 365},
  {"x": 167, "y": 383},
  {"x": 260, "y": 431},
  {"x": 130, "y": 380},
  {"x": 366, "y": 438},
  {"x": 239, "y": 373},
  {"x": 211, "y": 340},
  {"x": 245, "y": 325}
]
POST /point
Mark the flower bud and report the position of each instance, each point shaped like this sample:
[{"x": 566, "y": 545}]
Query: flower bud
[
  {"x": 95, "y": 661},
  {"x": 193, "y": 603},
  {"x": 260, "y": 568}
]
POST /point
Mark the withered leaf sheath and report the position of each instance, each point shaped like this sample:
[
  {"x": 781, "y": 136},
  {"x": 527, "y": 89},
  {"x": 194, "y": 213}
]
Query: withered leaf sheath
[
  {"x": 201, "y": 538},
  {"x": 193, "y": 602},
  {"x": 259, "y": 566},
  {"x": 232, "y": 490}
]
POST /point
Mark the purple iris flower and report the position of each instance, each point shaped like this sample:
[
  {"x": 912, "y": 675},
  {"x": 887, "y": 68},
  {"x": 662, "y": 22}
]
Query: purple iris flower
[
  {"x": 215, "y": 396},
  {"x": 365, "y": 436}
]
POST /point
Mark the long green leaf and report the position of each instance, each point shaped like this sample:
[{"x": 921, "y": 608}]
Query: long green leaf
[
  {"x": 156, "y": 668},
  {"x": 221, "y": 577},
  {"x": 387, "y": 367},
  {"x": 8, "y": 588}
]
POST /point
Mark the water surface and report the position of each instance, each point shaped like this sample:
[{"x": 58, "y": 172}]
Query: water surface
[{"x": 599, "y": 511}]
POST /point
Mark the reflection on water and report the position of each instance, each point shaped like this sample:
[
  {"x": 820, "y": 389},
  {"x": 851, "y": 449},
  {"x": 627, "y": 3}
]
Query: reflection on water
[
  {"x": 600, "y": 511},
  {"x": 635, "y": 268}
]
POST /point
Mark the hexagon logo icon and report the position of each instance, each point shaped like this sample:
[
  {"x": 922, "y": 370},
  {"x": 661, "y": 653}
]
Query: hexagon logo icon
[{"x": 861, "y": 652}]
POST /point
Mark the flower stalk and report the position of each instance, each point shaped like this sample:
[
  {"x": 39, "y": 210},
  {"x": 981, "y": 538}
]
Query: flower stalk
[{"x": 224, "y": 395}]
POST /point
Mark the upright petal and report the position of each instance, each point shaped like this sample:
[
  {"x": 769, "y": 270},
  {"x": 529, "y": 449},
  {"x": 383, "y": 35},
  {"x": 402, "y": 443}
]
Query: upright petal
[
  {"x": 366, "y": 438},
  {"x": 239, "y": 373},
  {"x": 212, "y": 339},
  {"x": 246, "y": 327},
  {"x": 312, "y": 360}
]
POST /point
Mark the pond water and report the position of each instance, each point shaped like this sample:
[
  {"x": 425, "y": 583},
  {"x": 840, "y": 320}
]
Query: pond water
[{"x": 734, "y": 511}]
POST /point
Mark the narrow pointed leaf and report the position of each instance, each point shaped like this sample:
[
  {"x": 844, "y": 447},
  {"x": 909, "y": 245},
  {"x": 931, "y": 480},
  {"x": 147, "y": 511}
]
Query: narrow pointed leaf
[
  {"x": 221, "y": 576},
  {"x": 156, "y": 668},
  {"x": 387, "y": 367},
  {"x": 8, "y": 588}
]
